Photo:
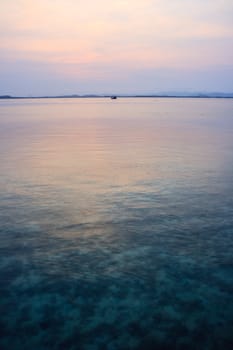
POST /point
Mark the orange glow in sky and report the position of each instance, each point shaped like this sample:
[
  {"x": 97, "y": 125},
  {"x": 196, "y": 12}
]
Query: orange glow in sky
[{"x": 90, "y": 44}]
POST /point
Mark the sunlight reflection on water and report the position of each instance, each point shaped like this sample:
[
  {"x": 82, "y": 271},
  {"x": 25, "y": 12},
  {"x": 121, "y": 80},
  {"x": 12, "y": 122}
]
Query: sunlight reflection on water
[{"x": 116, "y": 224}]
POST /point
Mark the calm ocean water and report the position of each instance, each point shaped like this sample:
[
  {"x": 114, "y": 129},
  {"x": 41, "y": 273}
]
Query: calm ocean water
[{"x": 116, "y": 224}]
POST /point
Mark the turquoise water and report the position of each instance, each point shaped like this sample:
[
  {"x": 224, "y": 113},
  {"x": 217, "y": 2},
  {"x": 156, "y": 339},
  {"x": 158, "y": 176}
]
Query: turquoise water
[{"x": 116, "y": 224}]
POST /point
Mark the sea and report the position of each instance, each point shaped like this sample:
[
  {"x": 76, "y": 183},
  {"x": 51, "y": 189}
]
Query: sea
[{"x": 116, "y": 224}]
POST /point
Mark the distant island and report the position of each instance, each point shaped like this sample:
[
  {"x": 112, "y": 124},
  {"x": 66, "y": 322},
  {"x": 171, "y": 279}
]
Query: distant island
[{"x": 157, "y": 95}]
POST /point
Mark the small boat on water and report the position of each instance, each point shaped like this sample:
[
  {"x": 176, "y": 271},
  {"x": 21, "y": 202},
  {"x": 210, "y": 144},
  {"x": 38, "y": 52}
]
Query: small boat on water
[{"x": 113, "y": 97}]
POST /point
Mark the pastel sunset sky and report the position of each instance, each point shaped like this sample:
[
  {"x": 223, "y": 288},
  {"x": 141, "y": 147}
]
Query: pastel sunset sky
[{"x": 123, "y": 46}]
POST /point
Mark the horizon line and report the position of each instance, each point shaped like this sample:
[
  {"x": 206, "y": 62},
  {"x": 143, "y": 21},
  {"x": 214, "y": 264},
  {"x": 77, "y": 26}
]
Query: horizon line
[
  {"x": 212, "y": 94},
  {"x": 141, "y": 95}
]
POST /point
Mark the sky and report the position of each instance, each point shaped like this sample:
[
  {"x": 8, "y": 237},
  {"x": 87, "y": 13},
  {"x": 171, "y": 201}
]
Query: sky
[{"x": 51, "y": 47}]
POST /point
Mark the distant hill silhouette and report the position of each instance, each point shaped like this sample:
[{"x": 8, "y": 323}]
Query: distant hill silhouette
[{"x": 5, "y": 96}]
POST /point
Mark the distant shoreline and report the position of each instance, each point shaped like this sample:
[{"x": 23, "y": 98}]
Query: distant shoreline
[{"x": 217, "y": 95}]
